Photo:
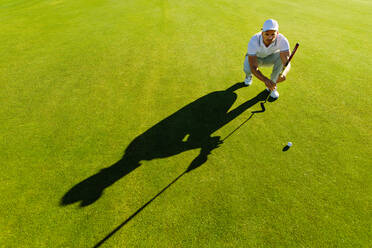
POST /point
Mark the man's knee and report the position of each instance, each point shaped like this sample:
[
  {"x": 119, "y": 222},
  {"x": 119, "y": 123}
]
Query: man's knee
[{"x": 278, "y": 64}]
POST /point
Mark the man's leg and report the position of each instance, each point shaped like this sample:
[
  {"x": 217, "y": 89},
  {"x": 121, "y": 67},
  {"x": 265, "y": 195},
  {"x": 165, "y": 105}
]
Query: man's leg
[
  {"x": 247, "y": 70},
  {"x": 248, "y": 73},
  {"x": 274, "y": 59},
  {"x": 278, "y": 66}
]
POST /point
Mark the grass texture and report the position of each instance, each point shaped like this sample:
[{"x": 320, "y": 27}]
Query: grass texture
[{"x": 137, "y": 87}]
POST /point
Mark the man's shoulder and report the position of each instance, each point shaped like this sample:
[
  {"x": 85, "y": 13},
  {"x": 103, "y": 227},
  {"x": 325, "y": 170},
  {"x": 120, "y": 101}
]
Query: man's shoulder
[
  {"x": 281, "y": 37},
  {"x": 283, "y": 42},
  {"x": 256, "y": 36},
  {"x": 255, "y": 40}
]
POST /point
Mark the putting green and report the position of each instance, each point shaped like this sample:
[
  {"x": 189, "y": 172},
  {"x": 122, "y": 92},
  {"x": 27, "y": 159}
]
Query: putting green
[{"x": 88, "y": 85}]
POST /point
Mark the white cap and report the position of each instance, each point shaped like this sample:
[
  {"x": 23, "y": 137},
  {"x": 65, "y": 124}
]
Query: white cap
[{"x": 270, "y": 25}]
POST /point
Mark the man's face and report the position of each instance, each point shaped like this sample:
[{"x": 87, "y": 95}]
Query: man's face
[{"x": 269, "y": 36}]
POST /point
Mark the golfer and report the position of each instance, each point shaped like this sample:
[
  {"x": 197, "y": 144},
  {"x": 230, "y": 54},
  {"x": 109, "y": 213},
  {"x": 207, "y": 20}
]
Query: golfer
[{"x": 267, "y": 48}]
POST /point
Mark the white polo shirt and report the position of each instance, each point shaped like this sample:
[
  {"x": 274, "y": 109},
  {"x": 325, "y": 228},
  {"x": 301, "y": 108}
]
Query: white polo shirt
[{"x": 258, "y": 48}]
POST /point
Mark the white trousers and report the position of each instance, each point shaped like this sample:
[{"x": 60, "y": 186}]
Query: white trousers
[{"x": 271, "y": 60}]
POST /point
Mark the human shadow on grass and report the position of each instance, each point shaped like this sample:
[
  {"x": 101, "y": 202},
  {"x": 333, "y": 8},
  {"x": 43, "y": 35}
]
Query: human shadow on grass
[
  {"x": 198, "y": 161},
  {"x": 189, "y": 128}
]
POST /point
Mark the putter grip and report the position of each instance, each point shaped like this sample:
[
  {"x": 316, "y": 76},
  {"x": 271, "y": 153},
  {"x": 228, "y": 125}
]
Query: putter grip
[{"x": 293, "y": 53}]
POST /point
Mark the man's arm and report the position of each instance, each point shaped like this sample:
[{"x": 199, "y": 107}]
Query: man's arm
[
  {"x": 284, "y": 56},
  {"x": 253, "y": 64}
]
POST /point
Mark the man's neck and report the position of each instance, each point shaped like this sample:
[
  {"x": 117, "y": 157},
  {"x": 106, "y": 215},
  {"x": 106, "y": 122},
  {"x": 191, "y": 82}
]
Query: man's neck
[{"x": 266, "y": 44}]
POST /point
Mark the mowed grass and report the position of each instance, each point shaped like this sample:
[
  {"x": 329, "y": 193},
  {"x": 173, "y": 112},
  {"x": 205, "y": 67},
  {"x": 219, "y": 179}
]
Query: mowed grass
[{"x": 80, "y": 80}]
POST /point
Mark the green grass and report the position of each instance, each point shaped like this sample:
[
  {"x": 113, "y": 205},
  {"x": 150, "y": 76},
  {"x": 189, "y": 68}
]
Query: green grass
[{"x": 80, "y": 80}]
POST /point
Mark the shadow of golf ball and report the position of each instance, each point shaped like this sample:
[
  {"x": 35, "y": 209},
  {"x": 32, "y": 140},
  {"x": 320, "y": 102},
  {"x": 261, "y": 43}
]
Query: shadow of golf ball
[{"x": 286, "y": 148}]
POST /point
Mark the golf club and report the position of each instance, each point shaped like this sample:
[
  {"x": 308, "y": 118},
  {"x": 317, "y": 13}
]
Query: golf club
[{"x": 283, "y": 69}]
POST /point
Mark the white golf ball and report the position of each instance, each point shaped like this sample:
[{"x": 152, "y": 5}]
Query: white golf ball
[{"x": 289, "y": 144}]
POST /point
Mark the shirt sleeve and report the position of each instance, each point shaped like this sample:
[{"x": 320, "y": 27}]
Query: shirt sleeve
[
  {"x": 284, "y": 44},
  {"x": 253, "y": 46}
]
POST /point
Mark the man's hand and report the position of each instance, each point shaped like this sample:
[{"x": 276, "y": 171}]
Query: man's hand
[
  {"x": 281, "y": 78},
  {"x": 270, "y": 84}
]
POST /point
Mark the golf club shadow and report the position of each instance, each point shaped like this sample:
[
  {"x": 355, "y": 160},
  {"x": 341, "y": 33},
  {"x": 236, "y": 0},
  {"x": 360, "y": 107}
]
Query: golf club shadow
[{"x": 197, "y": 121}]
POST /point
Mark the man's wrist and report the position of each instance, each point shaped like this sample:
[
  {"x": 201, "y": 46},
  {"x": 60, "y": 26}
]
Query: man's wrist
[
  {"x": 281, "y": 78},
  {"x": 266, "y": 80}
]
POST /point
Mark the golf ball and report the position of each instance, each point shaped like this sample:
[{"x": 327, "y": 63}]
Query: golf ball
[{"x": 289, "y": 144}]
